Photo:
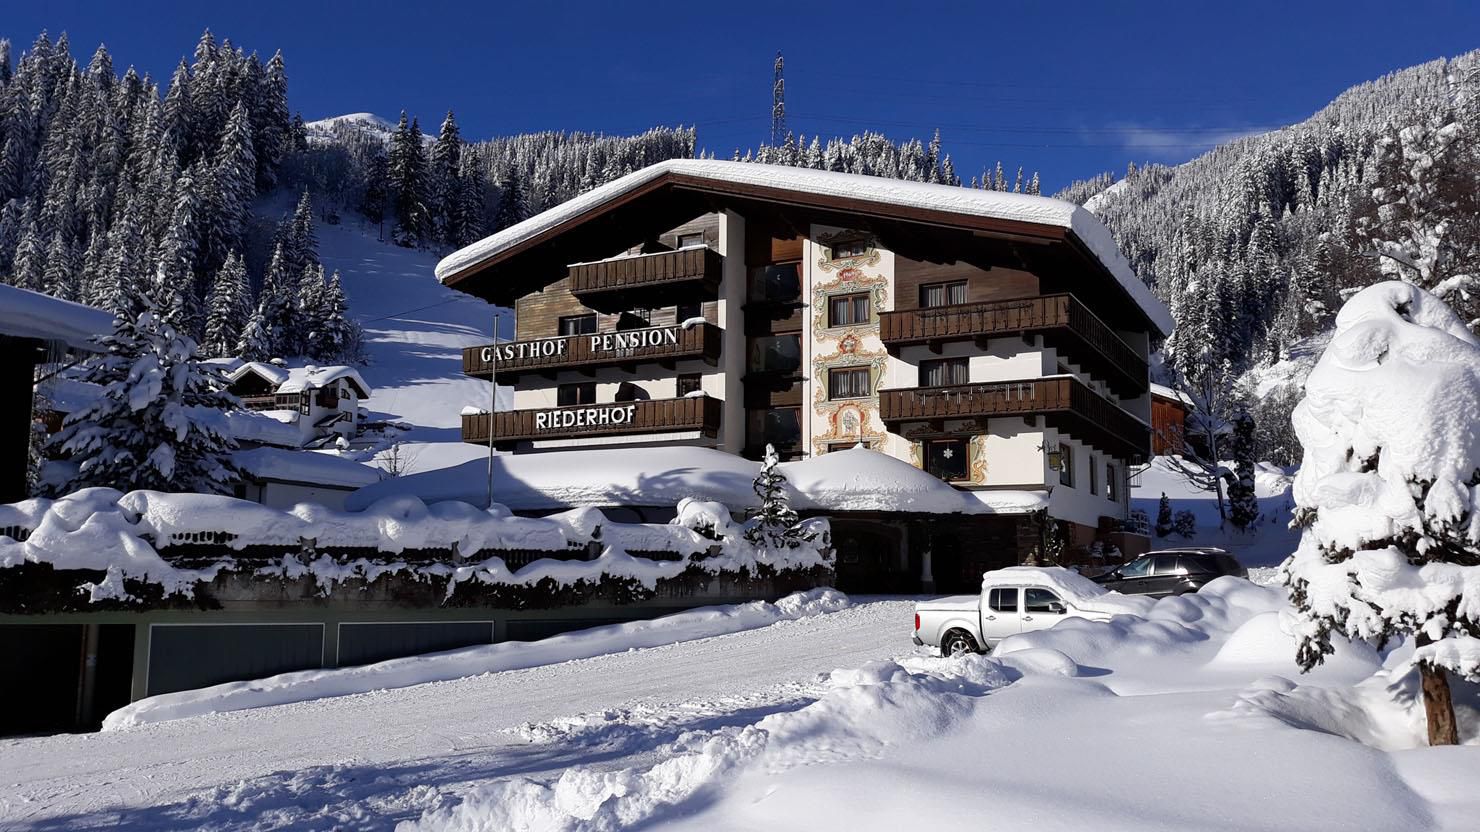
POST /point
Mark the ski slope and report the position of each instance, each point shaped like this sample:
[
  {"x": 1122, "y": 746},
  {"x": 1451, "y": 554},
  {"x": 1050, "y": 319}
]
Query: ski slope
[{"x": 415, "y": 331}]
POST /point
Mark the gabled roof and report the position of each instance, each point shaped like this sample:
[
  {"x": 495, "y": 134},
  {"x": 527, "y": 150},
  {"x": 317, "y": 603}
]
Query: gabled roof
[
  {"x": 313, "y": 378},
  {"x": 27, "y": 314},
  {"x": 298, "y": 379},
  {"x": 1021, "y": 216}
]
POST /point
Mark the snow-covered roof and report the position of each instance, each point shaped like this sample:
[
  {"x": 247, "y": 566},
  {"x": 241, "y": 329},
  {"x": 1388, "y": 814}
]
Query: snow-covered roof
[
  {"x": 298, "y": 379},
  {"x": 313, "y": 378},
  {"x": 1024, "y": 208},
  {"x": 851, "y": 480},
  {"x": 1170, "y": 393},
  {"x": 271, "y": 373},
  {"x": 27, "y": 314},
  {"x": 267, "y": 427},
  {"x": 305, "y": 467}
]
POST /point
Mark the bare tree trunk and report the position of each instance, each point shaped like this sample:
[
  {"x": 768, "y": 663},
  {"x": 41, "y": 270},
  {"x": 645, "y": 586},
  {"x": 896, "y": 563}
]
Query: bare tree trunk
[{"x": 1438, "y": 706}]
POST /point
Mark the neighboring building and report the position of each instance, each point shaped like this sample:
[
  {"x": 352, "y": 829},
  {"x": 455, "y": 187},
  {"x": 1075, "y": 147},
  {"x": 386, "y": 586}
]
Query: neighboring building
[
  {"x": 1169, "y": 408},
  {"x": 315, "y": 406},
  {"x": 35, "y": 330},
  {"x": 998, "y": 341},
  {"x": 282, "y": 478}
]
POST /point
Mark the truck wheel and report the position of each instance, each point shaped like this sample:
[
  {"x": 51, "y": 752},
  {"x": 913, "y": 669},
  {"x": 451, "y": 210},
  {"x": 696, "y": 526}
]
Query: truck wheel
[{"x": 957, "y": 643}]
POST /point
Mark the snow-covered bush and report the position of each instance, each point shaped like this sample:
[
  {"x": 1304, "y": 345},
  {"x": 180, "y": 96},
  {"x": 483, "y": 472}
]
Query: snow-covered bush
[
  {"x": 1185, "y": 523},
  {"x": 1388, "y": 490}
]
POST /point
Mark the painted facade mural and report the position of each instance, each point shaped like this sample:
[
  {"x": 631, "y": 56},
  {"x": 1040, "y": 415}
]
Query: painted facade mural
[{"x": 847, "y": 263}]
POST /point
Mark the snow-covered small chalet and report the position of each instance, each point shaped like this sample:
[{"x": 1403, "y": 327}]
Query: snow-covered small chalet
[
  {"x": 298, "y": 407},
  {"x": 35, "y": 329},
  {"x": 997, "y": 341}
]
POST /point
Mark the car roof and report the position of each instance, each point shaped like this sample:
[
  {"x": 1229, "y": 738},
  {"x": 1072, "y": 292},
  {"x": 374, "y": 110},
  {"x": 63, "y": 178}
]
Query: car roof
[{"x": 1188, "y": 550}]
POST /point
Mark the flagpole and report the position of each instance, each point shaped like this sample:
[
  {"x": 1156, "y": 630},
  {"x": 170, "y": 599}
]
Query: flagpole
[{"x": 492, "y": 404}]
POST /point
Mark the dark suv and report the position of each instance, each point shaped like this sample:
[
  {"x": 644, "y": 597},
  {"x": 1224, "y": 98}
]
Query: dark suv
[{"x": 1170, "y": 572}]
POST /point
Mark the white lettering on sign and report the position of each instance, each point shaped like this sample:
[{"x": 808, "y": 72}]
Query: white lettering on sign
[
  {"x": 585, "y": 417},
  {"x": 602, "y": 342}
]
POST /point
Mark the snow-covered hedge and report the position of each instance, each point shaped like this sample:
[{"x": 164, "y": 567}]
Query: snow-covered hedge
[{"x": 170, "y": 544}]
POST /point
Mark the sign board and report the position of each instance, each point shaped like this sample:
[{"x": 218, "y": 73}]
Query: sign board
[
  {"x": 585, "y": 417},
  {"x": 598, "y": 344}
]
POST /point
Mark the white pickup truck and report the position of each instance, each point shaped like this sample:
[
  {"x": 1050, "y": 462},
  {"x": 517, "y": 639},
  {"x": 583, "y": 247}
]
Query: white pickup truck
[{"x": 1014, "y": 600}]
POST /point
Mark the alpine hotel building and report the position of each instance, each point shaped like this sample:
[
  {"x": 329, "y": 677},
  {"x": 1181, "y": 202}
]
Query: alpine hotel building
[{"x": 998, "y": 341}]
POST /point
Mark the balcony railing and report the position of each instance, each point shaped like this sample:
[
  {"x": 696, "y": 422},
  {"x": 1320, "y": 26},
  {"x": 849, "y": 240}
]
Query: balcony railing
[
  {"x": 1066, "y": 324},
  {"x": 1065, "y": 402},
  {"x": 647, "y": 280},
  {"x": 627, "y": 348},
  {"x": 689, "y": 414}
]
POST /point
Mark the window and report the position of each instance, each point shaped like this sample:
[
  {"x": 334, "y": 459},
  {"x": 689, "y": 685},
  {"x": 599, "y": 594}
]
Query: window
[
  {"x": 1167, "y": 565},
  {"x": 1042, "y": 601},
  {"x": 946, "y": 459},
  {"x": 848, "y": 310},
  {"x": 1138, "y": 568},
  {"x": 685, "y": 311},
  {"x": 942, "y": 294},
  {"x": 776, "y": 354},
  {"x": 1066, "y": 466},
  {"x": 1112, "y": 487},
  {"x": 695, "y": 238},
  {"x": 845, "y": 446},
  {"x": 777, "y": 284},
  {"x": 1094, "y": 477},
  {"x": 1003, "y": 600},
  {"x": 847, "y": 383},
  {"x": 849, "y": 248},
  {"x": 781, "y": 427},
  {"x": 578, "y": 324},
  {"x": 689, "y": 383},
  {"x": 943, "y": 372},
  {"x": 583, "y": 392}
]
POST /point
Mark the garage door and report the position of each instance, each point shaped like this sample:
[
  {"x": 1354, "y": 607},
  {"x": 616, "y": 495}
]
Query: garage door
[
  {"x": 366, "y": 643},
  {"x": 188, "y": 656}
]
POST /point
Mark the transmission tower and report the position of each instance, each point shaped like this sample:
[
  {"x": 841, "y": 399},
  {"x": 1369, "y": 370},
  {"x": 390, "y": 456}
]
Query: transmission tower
[{"x": 778, "y": 106}]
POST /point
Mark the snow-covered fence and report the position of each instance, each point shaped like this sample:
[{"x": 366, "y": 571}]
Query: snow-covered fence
[{"x": 146, "y": 549}]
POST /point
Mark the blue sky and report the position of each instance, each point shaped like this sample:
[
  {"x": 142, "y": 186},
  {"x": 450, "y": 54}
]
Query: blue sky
[{"x": 1067, "y": 88}]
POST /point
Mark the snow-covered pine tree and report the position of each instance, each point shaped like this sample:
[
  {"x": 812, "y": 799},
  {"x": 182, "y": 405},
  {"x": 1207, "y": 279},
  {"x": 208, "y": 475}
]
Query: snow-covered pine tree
[
  {"x": 176, "y": 255},
  {"x": 310, "y": 316},
  {"x": 1163, "y": 516},
  {"x": 511, "y": 206},
  {"x": 276, "y": 315},
  {"x": 160, "y": 422},
  {"x": 227, "y": 309},
  {"x": 1388, "y": 491},
  {"x": 445, "y": 167},
  {"x": 62, "y": 277},
  {"x": 29, "y": 270},
  {"x": 406, "y": 169},
  {"x": 232, "y": 186},
  {"x": 1243, "y": 506},
  {"x": 775, "y": 525}
]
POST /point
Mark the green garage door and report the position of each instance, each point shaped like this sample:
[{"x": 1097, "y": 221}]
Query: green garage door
[
  {"x": 367, "y": 643},
  {"x": 188, "y": 656},
  {"x": 534, "y": 629}
]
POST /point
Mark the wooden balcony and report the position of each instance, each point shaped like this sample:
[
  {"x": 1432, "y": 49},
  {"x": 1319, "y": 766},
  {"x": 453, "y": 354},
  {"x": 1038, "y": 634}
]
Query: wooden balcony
[
  {"x": 690, "y": 414},
  {"x": 648, "y": 280},
  {"x": 1066, "y": 324},
  {"x": 626, "y": 349},
  {"x": 1065, "y": 403}
]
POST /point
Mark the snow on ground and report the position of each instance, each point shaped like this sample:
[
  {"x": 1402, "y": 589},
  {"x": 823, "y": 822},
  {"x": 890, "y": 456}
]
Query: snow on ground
[
  {"x": 367, "y": 761},
  {"x": 1267, "y": 543},
  {"x": 415, "y": 330},
  {"x": 1191, "y": 717}
]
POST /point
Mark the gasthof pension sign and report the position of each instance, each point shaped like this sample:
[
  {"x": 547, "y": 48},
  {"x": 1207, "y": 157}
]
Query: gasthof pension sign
[{"x": 598, "y": 344}]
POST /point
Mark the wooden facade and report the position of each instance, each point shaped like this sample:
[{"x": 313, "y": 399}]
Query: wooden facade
[
  {"x": 590, "y": 352},
  {"x": 1062, "y": 319},
  {"x": 647, "y": 280},
  {"x": 1065, "y": 402},
  {"x": 690, "y": 414}
]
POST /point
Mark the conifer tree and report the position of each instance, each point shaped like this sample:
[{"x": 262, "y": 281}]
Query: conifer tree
[
  {"x": 776, "y": 523},
  {"x": 62, "y": 277},
  {"x": 407, "y": 177},
  {"x": 228, "y": 308},
  {"x": 232, "y": 188},
  {"x": 1164, "y": 523},
  {"x": 1243, "y": 507},
  {"x": 159, "y": 423}
]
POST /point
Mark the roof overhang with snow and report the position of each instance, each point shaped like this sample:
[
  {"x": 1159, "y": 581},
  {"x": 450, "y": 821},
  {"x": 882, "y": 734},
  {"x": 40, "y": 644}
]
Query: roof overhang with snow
[
  {"x": 32, "y": 315},
  {"x": 935, "y": 223}
]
